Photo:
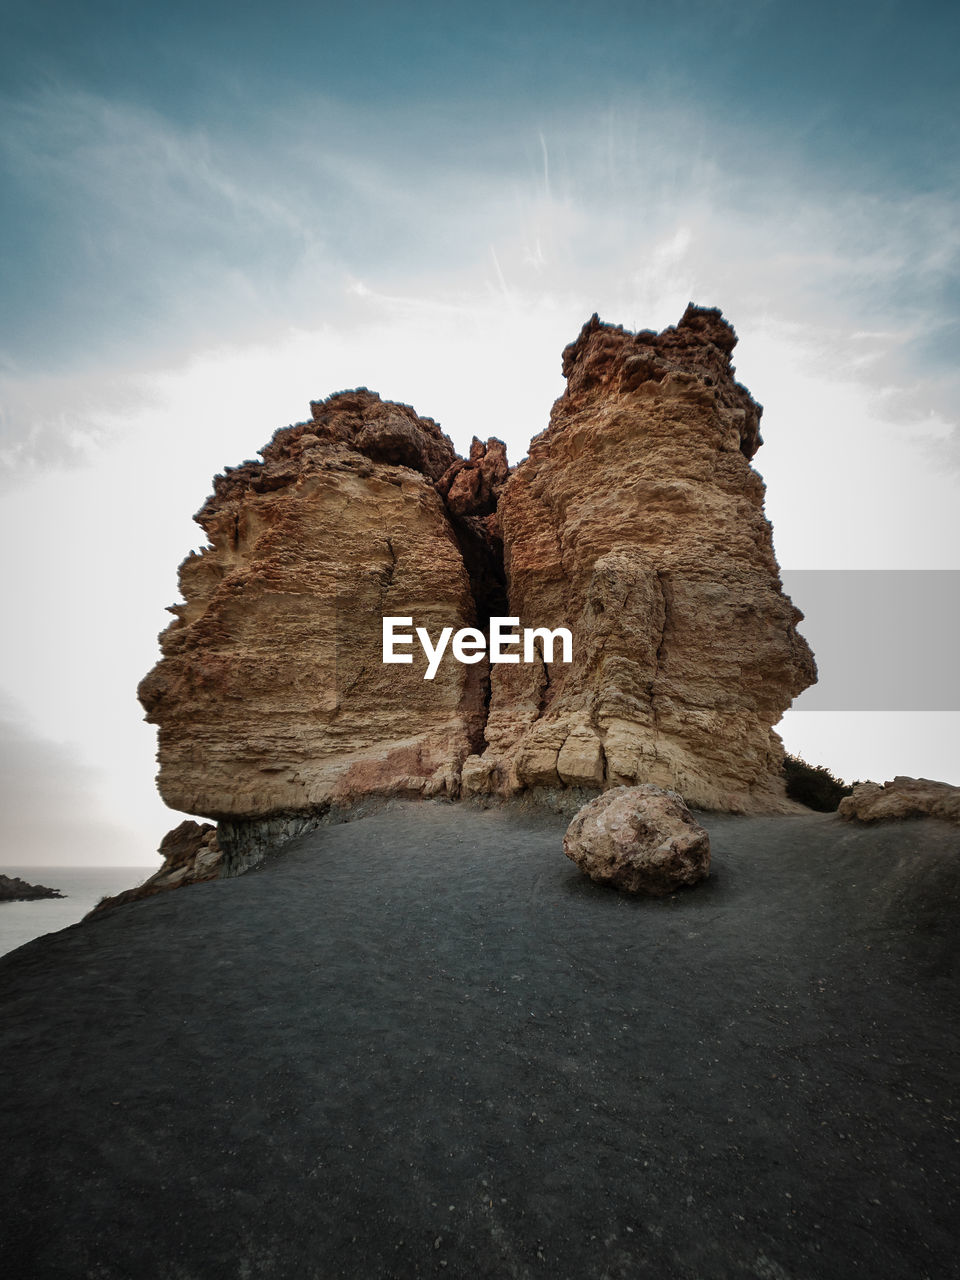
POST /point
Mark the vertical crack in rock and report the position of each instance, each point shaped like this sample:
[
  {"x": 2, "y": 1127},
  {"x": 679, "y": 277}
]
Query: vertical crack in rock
[
  {"x": 663, "y": 585},
  {"x": 470, "y": 489},
  {"x": 391, "y": 569}
]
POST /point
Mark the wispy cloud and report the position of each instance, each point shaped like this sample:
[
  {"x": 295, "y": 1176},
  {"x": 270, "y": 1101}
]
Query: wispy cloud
[{"x": 152, "y": 240}]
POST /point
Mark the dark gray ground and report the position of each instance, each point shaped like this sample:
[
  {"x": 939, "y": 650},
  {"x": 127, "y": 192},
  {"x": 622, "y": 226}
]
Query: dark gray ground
[{"x": 421, "y": 1044}]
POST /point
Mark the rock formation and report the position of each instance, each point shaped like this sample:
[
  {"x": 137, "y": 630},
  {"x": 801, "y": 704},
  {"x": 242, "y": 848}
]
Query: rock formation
[
  {"x": 191, "y": 853},
  {"x": 636, "y": 521},
  {"x": 902, "y": 798},
  {"x": 639, "y": 839},
  {"x": 13, "y": 889},
  {"x": 271, "y": 696}
]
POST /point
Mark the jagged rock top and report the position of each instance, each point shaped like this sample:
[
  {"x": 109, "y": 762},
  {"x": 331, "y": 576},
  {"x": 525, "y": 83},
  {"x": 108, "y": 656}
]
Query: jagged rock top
[
  {"x": 471, "y": 486},
  {"x": 383, "y": 430},
  {"x": 380, "y": 430},
  {"x": 607, "y": 359}
]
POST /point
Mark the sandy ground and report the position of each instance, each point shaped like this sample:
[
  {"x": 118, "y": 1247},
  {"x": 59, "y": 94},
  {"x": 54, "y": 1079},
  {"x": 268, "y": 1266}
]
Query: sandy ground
[{"x": 422, "y": 1044}]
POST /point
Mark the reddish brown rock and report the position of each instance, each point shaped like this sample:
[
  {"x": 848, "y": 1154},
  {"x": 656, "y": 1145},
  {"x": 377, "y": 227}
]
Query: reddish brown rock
[
  {"x": 637, "y": 522},
  {"x": 471, "y": 489},
  {"x": 381, "y": 430},
  {"x": 471, "y": 486},
  {"x": 902, "y": 798},
  {"x": 639, "y": 839},
  {"x": 191, "y": 854}
]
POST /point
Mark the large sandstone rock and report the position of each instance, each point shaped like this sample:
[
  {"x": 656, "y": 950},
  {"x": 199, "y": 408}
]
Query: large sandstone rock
[
  {"x": 902, "y": 798},
  {"x": 271, "y": 697},
  {"x": 639, "y": 839},
  {"x": 638, "y": 522}
]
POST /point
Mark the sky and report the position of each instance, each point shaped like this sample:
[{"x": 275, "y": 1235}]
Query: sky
[{"x": 211, "y": 214}]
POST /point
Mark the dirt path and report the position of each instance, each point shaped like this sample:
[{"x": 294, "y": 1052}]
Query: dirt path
[{"x": 421, "y": 1044}]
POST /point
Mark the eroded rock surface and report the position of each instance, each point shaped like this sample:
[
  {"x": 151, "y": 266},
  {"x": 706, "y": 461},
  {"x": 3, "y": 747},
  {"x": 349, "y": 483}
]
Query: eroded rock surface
[
  {"x": 638, "y": 521},
  {"x": 191, "y": 853},
  {"x": 271, "y": 697},
  {"x": 902, "y": 798},
  {"x": 639, "y": 839}
]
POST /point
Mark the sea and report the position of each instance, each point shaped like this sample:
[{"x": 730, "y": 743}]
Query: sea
[{"x": 83, "y": 888}]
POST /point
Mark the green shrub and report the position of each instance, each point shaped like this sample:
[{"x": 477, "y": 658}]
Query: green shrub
[{"x": 813, "y": 785}]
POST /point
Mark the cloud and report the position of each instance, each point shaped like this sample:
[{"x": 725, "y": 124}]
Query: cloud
[
  {"x": 138, "y": 228},
  {"x": 150, "y": 238},
  {"x": 159, "y": 242},
  {"x": 49, "y": 815}
]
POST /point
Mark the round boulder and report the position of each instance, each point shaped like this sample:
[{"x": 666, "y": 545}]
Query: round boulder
[{"x": 639, "y": 839}]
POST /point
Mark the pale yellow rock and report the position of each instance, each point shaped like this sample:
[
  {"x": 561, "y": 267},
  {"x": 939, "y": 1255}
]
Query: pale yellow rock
[
  {"x": 475, "y": 776},
  {"x": 271, "y": 696},
  {"x": 902, "y": 798},
  {"x": 580, "y": 762}
]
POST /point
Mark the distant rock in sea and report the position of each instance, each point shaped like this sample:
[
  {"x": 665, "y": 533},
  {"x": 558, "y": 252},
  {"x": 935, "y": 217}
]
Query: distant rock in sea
[{"x": 13, "y": 889}]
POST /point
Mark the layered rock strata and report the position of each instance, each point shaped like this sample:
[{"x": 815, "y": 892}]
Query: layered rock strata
[
  {"x": 271, "y": 696},
  {"x": 636, "y": 521}
]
